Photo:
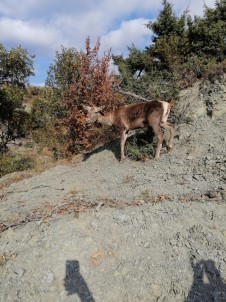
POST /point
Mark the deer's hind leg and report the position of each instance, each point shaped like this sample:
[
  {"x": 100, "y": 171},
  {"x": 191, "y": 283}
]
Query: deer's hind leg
[
  {"x": 172, "y": 130},
  {"x": 158, "y": 133}
]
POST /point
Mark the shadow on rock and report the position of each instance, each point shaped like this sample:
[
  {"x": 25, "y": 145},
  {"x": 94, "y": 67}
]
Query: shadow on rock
[
  {"x": 112, "y": 146},
  {"x": 136, "y": 138},
  {"x": 74, "y": 282},
  {"x": 208, "y": 286}
]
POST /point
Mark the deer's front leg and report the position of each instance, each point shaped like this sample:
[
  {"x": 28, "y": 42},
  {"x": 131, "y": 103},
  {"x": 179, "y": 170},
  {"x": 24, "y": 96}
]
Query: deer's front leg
[{"x": 123, "y": 137}]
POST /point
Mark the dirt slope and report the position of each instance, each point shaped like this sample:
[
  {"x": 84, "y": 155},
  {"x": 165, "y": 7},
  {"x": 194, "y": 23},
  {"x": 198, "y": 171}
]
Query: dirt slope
[{"x": 97, "y": 230}]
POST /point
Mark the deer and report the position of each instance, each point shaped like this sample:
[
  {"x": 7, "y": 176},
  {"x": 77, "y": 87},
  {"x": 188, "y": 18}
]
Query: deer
[{"x": 134, "y": 116}]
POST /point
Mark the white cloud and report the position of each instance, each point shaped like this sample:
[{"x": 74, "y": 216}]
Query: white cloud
[
  {"x": 47, "y": 24},
  {"x": 28, "y": 33},
  {"x": 133, "y": 31},
  {"x": 195, "y": 7},
  {"x": 42, "y": 8},
  {"x": 111, "y": 9},
  {"x": 76, "y": 28},
  {"x": 42, "y": 26},
  {"x": 12, "y": 8}
]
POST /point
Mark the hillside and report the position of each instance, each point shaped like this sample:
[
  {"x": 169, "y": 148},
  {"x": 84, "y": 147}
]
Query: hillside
[{"x": 98, "y": 230}]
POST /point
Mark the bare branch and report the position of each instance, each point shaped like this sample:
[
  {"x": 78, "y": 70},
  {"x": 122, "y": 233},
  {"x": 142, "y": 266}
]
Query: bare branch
[{"x": 133, "y": 95}]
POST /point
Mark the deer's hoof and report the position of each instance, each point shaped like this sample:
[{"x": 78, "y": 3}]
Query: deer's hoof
[
  {"x": 121, "y": 160},
  {"x": 169, "y": 148}
]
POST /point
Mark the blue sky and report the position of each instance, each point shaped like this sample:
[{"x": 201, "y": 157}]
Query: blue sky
[{"x": 42, "y": 26}]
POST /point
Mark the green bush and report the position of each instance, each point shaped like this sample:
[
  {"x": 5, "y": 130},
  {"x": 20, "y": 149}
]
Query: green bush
[
  {"x": 141, "y": 146},
  {"x": 14, "y": 163}
]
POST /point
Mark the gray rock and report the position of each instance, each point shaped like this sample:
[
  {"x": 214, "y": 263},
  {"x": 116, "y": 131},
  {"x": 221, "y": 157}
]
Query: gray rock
[{"x": 19, "y": 271}]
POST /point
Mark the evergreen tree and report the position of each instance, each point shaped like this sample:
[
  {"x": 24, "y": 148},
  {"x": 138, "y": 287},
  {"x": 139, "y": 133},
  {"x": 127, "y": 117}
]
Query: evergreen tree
[
  {"x": 16, "y": 66},
  {"x": 167, "y": 23},
  {"x": 207, "y": 35}
]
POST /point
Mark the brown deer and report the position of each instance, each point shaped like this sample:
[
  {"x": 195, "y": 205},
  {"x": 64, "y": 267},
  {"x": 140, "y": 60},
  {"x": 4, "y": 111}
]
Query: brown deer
[{"x": 134, "y": 116}]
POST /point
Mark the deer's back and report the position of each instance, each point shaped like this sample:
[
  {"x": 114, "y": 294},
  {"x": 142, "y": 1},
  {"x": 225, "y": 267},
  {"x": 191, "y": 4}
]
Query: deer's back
[{"x": 137, "y": 115}]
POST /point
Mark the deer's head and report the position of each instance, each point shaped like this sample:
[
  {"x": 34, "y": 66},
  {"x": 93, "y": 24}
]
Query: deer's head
[{"x": 93, "y": 113}]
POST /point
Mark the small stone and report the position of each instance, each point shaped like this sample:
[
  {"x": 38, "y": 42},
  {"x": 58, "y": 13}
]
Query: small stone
[
  {"x": 49, "y": 277},
  {"x": 146, "y": 245},
  {"x": 100, "y": 205},
  {"x": 190, "y": 157},
  {"x": 94, "y": 224},
  {"x": 223, "y": 195},
  {"x": 19, "y": 271},
  {"x": 156, "y": 290},
  {"x": 212, "y": 194},
  {"x": 123, "y": 218},
  {"x": 163, "y": 299}
]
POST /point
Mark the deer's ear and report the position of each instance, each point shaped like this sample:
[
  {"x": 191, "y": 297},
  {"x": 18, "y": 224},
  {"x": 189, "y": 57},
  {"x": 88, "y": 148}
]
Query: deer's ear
[
  {"x": 100, "y": 108},
  {"x": 85, "y": 107}
]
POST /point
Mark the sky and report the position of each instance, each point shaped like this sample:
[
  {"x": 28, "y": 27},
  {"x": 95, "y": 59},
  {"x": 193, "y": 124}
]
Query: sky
[{"x": 43, "y": 26}]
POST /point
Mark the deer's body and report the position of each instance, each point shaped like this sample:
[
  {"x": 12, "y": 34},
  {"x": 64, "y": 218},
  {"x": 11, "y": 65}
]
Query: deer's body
[{"x": 133, "y": 116}]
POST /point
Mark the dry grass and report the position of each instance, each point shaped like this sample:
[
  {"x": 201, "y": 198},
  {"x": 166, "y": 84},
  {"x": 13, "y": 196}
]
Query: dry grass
[
  {"x": 42, "y": 160},
  {"x": 4, "y": 258},
  {"x": 72, "y": 191},
  {"x": 128, "y": 179},
  {"x": 11, "y": 178}
]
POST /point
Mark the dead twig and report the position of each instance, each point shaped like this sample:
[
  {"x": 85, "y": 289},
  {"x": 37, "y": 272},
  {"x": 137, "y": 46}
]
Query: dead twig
[{"x": 133, "y": 95}]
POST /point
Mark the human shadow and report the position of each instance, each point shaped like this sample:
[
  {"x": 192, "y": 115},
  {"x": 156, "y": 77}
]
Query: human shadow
[
  {"x": 74, "y": 283},
  {"x": 208, "y": 285}
]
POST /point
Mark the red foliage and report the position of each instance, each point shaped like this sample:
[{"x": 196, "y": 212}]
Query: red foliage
[{"x": 92, "y": 85}]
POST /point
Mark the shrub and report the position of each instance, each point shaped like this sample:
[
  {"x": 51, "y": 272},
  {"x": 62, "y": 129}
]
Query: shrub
[
  {"x": 92, "y": 85},
  {"x": 13, "y": 163},
  {"x": 141, "y": 146},
  {"x": 13, "y": 117}
]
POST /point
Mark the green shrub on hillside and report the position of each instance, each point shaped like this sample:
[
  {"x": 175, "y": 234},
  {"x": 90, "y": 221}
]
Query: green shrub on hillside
[
  {"x": 14, "y": 163},
  {"x": 141, "y": 146}
]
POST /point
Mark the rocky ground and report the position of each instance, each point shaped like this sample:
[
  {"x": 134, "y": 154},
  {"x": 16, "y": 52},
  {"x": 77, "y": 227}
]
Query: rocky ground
[{"x": 97, "y": 230}]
